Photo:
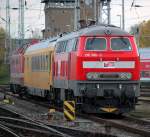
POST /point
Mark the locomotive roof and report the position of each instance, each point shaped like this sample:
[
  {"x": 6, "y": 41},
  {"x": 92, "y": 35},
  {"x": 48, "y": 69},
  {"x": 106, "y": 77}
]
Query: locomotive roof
[
  {"x": 96, "y": 30},
  {"x": 89, "y": 31},
  {"x": 42, "y": 45}
]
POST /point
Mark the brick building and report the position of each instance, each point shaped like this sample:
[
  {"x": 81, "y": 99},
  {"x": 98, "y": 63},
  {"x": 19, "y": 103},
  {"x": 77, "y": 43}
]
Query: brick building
[{"x": 59, "y": 15}]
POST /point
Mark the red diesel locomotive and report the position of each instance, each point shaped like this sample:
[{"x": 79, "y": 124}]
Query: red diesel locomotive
[{"x": 97, "y": 66}]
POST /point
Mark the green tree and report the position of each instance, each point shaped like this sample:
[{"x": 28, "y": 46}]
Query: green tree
[
  {"x": 2, "y": 45},
  {"x": 4, "y": 68},
  {"x": 142, "y": 33}
]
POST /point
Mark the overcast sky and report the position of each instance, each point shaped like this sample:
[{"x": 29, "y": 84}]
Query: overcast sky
[{"x": 34, "y": 15}]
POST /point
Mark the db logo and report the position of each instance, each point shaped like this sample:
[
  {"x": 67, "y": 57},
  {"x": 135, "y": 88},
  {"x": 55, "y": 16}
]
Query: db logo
[{"x": 109, "y": 64}]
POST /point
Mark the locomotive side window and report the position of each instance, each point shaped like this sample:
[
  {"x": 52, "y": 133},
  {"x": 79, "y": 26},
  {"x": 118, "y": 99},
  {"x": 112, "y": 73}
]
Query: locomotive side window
[
  {"x": 120, "y": 44},
  {"x": 95, "y": 44},
  {"x": 61, "y": 46},
  {"x": 70, "y": 45}
]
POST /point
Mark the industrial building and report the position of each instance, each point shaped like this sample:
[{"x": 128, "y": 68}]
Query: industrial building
[{"x": 60, "y": 15}]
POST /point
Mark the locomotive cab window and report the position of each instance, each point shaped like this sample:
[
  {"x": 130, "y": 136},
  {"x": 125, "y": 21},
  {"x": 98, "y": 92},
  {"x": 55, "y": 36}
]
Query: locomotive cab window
[
  {"x": 71, "y": 45},
  {"x": 120, "y": 44},
  {"x": 95, "y": 44}
]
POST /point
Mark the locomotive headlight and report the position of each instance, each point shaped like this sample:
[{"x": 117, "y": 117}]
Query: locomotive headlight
[
  {"x": 125, "y": 76},
  {"x": 92, "y": 75}
]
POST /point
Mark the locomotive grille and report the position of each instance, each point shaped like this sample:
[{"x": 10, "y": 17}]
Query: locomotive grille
[{"x": 108, "y": 76}]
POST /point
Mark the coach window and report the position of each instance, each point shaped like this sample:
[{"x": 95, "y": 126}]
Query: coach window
[
  {"x": 27, "y": 62},
  {"x": 49, "y": 62},
  {"x": 37, "y": 62},
  {"x": 34, "y": 67},
  {"x": 120, "y": 44},
  {"x": 43, "y": 62},
  {"x": 46, "y": 62},
  {"x": 95, "y": 44},
  {"x": 32, "y": 63}
]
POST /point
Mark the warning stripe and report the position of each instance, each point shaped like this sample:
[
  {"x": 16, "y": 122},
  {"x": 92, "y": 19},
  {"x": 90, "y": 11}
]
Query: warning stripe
[
  {"x": 70, "y": 105},
  {"x": 69, "y": 111},
  {"x": 68, "y": 115}
]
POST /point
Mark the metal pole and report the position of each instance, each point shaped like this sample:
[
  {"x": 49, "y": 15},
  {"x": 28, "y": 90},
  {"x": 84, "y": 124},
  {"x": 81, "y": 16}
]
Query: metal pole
[
  {"x": 7, "y": 37},
  {"x": 95, "y": 10},
  {"x": 119, "y": 19},
  {"x": 21, "y": 22},
  {"x": 19, "y": 18},
  {"x": 75, "y": 16},
  {"x": 123, "y": 16},
  {"x": 100, "y": 11},
  {"x": 108, "y": 8}
]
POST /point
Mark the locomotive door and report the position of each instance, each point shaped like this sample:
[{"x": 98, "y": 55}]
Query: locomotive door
[
  {"x": 67, "y": 69},
  {"x": 71, "y": 56}
]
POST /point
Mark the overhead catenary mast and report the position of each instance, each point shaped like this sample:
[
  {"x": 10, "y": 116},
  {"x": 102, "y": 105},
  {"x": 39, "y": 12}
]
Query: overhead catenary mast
[
  {"x": 104, "y": 12},
  {"x": 76, "y": 14},
  {"x": 123, "y": 16},
  {"x": 21, "y": 23},
  {"x": 7, "y": 37}
]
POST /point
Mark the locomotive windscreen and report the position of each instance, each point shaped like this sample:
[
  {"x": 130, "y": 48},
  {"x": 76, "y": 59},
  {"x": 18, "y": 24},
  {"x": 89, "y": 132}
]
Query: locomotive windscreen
[{"x": 120, "y": 44}]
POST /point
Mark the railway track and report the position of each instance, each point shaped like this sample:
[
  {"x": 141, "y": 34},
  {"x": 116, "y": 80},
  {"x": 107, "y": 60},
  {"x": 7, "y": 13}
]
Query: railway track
[
  {"x": 145, "y": 95},
  {"x": 23, "y": 126},
  {"x": 126, "y": 123},
  {"x": 5, "y": 131},
  {"x": 38, "y": 127},
  {"x": 129, "y": 124}
]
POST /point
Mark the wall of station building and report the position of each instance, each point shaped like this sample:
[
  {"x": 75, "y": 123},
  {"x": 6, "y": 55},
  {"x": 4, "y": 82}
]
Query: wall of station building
[{"x": 59, "y": 19}]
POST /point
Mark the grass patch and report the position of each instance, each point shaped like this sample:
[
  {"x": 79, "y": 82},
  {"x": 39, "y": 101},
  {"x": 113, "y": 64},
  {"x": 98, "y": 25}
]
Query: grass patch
[{"x": 4, "y": 74}]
